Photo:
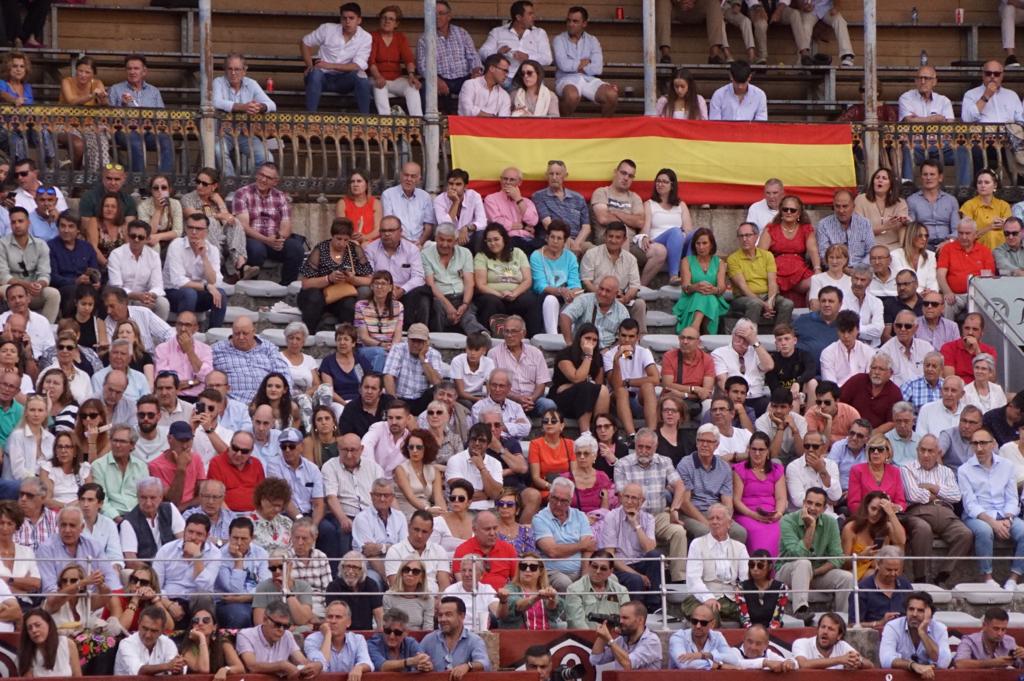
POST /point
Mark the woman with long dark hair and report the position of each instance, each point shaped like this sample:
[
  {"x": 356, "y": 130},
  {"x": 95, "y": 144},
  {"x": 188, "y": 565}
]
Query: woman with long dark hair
[
  {"x": 378, "y": 322},
  {"x": 361, "y": 207},
  {"x": 92, "y": 331},
  {"x": 761, "y": 598},
  {"x": 759, "y": 495},
  {"x": 577, "y": 384},
  {"x": 206, "y": 650},
  {"x": 274, "y": 391},
  {"x": 321, "y": 445},
  {"x": 682, "y": 101},
  {"x": 418, "y": 482},
  {"x": 790, "y": 238},
  {"x": 42, "y": 651},
  {"x": 874, "y": 525},
  {"x": 881, "y": 204},
  {"x": 90, "y": 436},
  {"x": 65, "y": 472},
  {"x": 504, "y": 281},
  {"x": 530, "y": 97},
  {"x": 667, "y": 223},
  {"x": 331, "y": 277}
]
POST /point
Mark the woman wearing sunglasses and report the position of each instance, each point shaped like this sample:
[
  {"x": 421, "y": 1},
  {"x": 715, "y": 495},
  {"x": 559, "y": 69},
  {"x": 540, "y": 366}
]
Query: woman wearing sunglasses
[
  {"x": 91, "y": 432},
  {"x": 762, "y": 599},
  {"x": 72, "y": 605},
  {"x": 163, "y": 212},
  {"x": 411, "y": 597},
  {"x": 64, "y": 473},
  {"x": 143, "y": 590},
  {"x": 529, "y": 601},
  {"x": 878, "y": 473},
  {"x": 530, "y": 97},
  {"x": 791, "y": 239},
  {"x": 519, "y": 535},
  {"x": 208, "y": 651},
  {"x": 456, "y": 525},
  {"x": 417, "y": 480},
  {"x": 551, "y": 454},
  {"x": 874, "y": 525}
]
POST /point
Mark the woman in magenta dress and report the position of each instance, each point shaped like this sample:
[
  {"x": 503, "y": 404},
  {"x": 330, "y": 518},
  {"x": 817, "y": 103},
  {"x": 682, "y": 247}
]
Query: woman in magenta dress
[
  {"x": 790, "y": 238},
  {"x": 759, "y": 495}
]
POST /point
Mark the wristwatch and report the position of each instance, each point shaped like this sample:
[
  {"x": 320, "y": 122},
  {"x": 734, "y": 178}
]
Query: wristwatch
[{"x": 755, "y": 344}]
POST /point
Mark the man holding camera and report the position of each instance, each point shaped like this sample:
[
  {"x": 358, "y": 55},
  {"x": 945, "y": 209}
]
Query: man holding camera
[
  {"x": 596, "y": 595},
  {"x": 636, "y": 646}
]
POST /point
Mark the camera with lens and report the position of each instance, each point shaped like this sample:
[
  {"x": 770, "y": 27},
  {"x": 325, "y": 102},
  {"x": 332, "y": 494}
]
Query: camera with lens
[
  {"x": 564, "y": 672},
  {"x": 612, "y": 621}
]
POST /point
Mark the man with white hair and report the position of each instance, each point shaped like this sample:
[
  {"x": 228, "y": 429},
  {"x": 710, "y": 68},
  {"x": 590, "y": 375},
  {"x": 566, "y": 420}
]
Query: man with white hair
[
  {"x": 708, "y": 480},
  {"x": 499, "y": 384},
  {"x": 867, "y": 305},
  {"x": 527, "y": 367},
  {"x": 378, "y": 527},
  {"x": 944, "y": 413},
  {"x": 902, "y": 438},
  {"x": 448, "y": 273},
  {"x": 746, "y": 357},
  {"x": 69, "y": 545},
  {"x": 873, "y": 394},
  {"x": 715, "y": 566},
  {"x": 659, "y": 479},
  {"x": 906, "y": 350},
  {"x": 563, "y": 534},
  {"x": 628, "y": 532},
  {"x": 958, "y": 261},
  {"x": 211, "y": 504},
  {"x": 764, "y": 211},
  {"x": 150, "y": 525},
  {"x": 927, "y": 387},
  {"x": 120, "y": 358}
]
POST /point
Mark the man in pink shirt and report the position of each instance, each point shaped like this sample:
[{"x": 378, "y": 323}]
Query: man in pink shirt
[
  {"x": 513, "y": 211},
  {"x": 384, "y": 441},
  {"x": 192, "y": 360},
  {"x": 180, "y": 469}
]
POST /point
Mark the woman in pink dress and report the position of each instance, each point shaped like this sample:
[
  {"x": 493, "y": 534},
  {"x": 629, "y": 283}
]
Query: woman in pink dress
[
  {"x": 759, "y": 495},
  {"x": 790, "y": 238}
]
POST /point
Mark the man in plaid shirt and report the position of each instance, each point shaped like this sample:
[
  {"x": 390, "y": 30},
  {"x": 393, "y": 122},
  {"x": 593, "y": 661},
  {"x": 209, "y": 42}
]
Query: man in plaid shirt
[
  {"x": 265, "y": 215},
  {"x": 412, "y": 368},
  {"x": 308, "y": 563}
]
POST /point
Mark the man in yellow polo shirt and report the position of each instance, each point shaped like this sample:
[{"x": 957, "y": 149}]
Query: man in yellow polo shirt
[{"x": 755, "y": 291}]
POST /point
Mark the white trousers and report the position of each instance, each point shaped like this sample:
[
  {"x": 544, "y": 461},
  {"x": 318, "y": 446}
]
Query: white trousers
[{"x": 401, "y": 88}]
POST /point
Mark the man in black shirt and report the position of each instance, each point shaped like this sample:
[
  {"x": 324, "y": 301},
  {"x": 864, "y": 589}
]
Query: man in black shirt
[
  {"x": 794, "y": 369},
  {"x": 367, "y": 409}
]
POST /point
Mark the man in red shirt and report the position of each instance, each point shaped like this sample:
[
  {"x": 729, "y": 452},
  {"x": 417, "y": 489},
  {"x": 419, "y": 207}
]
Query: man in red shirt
[
  {"x": 959, "y": 354},
  {"x": 180, "y": 469},
  {"x": 957, "y": 262},
  {"x": 499, "y": 556},
  {"x": 240, "y": 472},
  {"x": 873, "y": 394},
  {"x": 689, "y": 372}
]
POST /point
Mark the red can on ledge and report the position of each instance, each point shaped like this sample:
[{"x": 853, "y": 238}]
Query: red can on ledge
[
  {"x": 620, "y": 13},
  {"x": 958, "y": 16}
]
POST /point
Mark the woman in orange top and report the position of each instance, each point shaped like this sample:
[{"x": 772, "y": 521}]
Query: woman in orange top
[
  {"x": 389, "y": 52},
  {"x": 361, "y": 207},
  {"x": 81, "y": 89},
  {"x": 551, "y": 455}
]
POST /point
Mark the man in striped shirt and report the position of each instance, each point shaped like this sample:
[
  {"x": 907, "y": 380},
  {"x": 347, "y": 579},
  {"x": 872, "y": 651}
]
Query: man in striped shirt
[{"x": 932, "y": 490}]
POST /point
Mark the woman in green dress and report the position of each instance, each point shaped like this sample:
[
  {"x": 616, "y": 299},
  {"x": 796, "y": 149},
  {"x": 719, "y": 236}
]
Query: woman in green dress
[{"x": 703, "y": 282}]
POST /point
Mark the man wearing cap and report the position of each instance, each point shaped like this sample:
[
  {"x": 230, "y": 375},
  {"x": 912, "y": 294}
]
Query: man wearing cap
[
  {"x": 301, "y": 474},
  {"x": 412, "y": 368},
  {"x": 179, "y": 468},
  {"x": 240, "y": 472}
]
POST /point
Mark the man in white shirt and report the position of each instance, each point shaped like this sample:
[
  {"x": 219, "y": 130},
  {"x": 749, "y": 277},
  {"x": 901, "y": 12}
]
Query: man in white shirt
[
  {"x": 943, "y": 413},
  {"x": 347, "y": 482},
  {"x": 715, "y": 566},
  {"x": 26, "y": 174},
  {"x": 461, "y": 206},
  {"x": 499, "y": 384},
  {"x": 192, "y": 273},
  {"x": 411, "y": 205},
  {"x": 98, "y": 527},
  {"x": 417, "y": 544},
  {"x": 485, "y": 94},
  {"x": 786, "y": 427},
  {"x": 343, "y": 54},
  {"x": 136, "y": 268},
  {"x": 378, "y": 527},
  {"x": 923, "y": 105},
  {"x": 813, "y": 469},
  {"x": 518, "y": 40},
  {"x": 154, "y": 330},
  {"x": 827, "y": 649},
  {"x": 755, "y": 653},
  {"x": 482, "y": 471},
  {"x": 149, "y": 651},
  {"x": 384, "y": 441},
  {"x": 990, "y": 102},
  {"x": 152, "y": 440},
  {"x": 906, "y": 350},
  {"x": 765, "y": 210},
  {"x": 40, "y": 331},
  {"x": 632, "y": 374},
  {"x": 739, "y": 100},
  {"x": 746, "y": 357},
  {"x": 847, "y": 356},
  {"x": 867, "y": 306}
]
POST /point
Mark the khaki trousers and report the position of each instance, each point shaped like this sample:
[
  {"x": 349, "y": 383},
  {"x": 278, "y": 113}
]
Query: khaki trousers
[
  {"x": 665, "y": 532},
  {"x": 708, "y": 10}
]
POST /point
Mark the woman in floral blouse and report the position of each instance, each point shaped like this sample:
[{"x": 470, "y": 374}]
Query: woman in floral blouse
[{"x": 273, "y": 527}]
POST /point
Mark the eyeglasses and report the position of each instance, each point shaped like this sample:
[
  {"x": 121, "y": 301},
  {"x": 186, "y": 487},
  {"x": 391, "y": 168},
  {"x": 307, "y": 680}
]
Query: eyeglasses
[
  {"x": 114, "y": 166},
  {"x": 393, "y": 632},
  {"x": 981, "y": 443},
  {"x": 414, "y": 571},
  {"x": 457, "y": 498},
  {"x": 67, "y": 348},
  {"x": 242, "y": 450},
  {"x": 415, "y": 448},
  {"x": 275, "y": 568},
  {"x": 902, "y": 326},
  {"x": 89, "y": 415},
  {"x": 137, "y": 237},
  {"x": 159, "y": 187},
  {"x": 23, "y": 173},
  {"x": 206, "y": 619},
  {"x": 47, "y": 191},
  {"x": 203, "y": 183},
  {"x": 695, "y": 621},
  {"x": 281, "y": 626},
  {"x": 1015, "y": 232},
  {"x": 139, "y": 582},
  {"x": 931, "y": 303},
  {"x": 529, "y": 567}
]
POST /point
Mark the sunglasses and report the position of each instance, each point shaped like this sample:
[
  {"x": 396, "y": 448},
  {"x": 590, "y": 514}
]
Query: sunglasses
[
  {"x": 931, "y": 303},
  {"x": 414, "y": 571},
  {"x": 46, "y": 191},
  {"x": 113, "y": 166},
  {"x": 505, "y": 504},
  {"x": 243, "y": 450},
  {"x": 789, "y": 209},
  {"x": 68, "y": 348},
  {"x": 393, "y": 632},
  {"x": 547, "y": 421},
  {"x": 992, "y": 74},
  {"x": 146, "y": 415},
  {"x": 202, "y": 620},
  {"x": 70, "y": 580},
  {"x": 23, "y": 173},
  {"x": 697, "y": 621},
  {"x": 90, "y": 415},
  {"x": 203, "y": 183},
  {"x": 435, "y": 412},
  {"x": 903, "y": 326},
  {"x": 159, "y": 187},
  {"x": 415, "y": 448},
  {"x": 457, "y": 498},
  {"x": 823, "y": 403},
  {"x": 813, "y": 447},
  {"x": 281, "y": 626},
  {"x": 139, "y": 582},
  {"x": 275, "y": 568},
  {"x": 284, "y": 445},
  {"x": 877, "y": 448},
  {"x": 137, "y": 237},
  {"x": 529, "y": 567},
  {"x": 759, "y": 564}
]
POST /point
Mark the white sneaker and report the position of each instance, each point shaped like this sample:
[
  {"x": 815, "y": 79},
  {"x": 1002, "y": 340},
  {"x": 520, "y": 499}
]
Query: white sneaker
[
  {"x": 847, "y": 61},
  {"x": 992, "y": 583},
  {"x": 1011, "y": 585}
]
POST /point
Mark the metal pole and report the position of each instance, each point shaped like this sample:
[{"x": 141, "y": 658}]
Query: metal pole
[
  {"x": 856, "y": 598},
  {"x": 431, "y": 119},
  {"x": 650, "y": 59},
  {"x": 208, "y": 121},
  {"x": 871, "y": 148}
]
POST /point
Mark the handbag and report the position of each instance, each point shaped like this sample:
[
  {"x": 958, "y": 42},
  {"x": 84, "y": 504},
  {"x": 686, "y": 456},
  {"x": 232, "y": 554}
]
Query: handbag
[{"x": 338, "y": 290}]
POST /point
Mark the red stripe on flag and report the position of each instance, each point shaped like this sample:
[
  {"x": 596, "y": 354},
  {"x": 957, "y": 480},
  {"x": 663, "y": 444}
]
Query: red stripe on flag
[
  {"x": 694, "y": 193},
  {"x": 640, "y": 126}
]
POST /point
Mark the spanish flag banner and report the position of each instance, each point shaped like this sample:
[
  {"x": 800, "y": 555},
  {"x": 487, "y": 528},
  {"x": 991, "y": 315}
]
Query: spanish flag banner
[{"x": 717, "y": 163}]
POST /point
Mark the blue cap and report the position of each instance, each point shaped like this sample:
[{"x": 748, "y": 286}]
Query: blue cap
[{"x": 181, "y": 431}]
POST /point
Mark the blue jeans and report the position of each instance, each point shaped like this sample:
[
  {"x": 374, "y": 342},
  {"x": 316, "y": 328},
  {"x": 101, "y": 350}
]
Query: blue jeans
[
  {"x": 191, "y": 300},
  {"x": 333, "y": 542},
  {"x": 958, "y": 157},
  {"x": 984, "y": 538},
  {"x": 234, "y": 615},
  {"x": 290, "y": 256},
  {"x": 673, "y": 240},
  {"x": 319, "y": 81},
  {"x": 541, "y": 405},
  {"x": 225, "y": 154},
  {"x": 137, "y": 157},
  {"x": 371, "y": 359}
]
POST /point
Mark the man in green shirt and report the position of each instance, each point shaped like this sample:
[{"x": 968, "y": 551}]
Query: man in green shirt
[
  {"x": 119, "y": 472},
  {"x": 807, "y": 536}
]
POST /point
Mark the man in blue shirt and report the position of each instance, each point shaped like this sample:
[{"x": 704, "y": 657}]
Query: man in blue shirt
[
  {"x": 187, "y": 566},
  {"x": 336, "y": 648},
  {"x": 234, "y": 92},
  {"x": 883, "y": 594},
  {"x": 916, "y": 642},
  {"x": 452, "y": 647},
  {"x": 563, "y": 533},
  {"x": 70, "y": 257},
  {"x": 392, "y": 651},
  {"x": 816, "y": 331},
  {"x": 243, "y": 567},
  {"x": 43, "y": 220},
  {"x": 700, "y": 647},
  {"x": 851, "y": 450},
  {"x": 135, "y": 92}
]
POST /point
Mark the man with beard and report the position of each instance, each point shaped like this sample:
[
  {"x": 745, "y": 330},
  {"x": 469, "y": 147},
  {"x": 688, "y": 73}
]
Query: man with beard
[
  {"x": 383, "y": 442},
  {"x": 152, "y": 436},
  {"x": 916, "y": 642},
  {"x": 452, "y": 647},
  {"x": 635, "y": 648},
  {"x": 827, "y": 649},
  {"x": 873, "y": 394},
  {"x": 367, "y": 409}
]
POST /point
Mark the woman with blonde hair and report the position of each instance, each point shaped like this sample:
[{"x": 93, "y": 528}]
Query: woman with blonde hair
[
  {"x": 914, "y": 255},
  {"x": 72, "y": 605},
  {"x": 528, "y": 601},
  {"x": 30, "y": 443},
  {"x": 410, "y": 595}
]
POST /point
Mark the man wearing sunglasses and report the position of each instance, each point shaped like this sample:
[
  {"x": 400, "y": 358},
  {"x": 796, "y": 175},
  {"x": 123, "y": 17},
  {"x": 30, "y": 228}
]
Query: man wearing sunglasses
[
  {"x": 137, "y": 269},
  {"x": 700, "y": 647},
  {"x": 933, "y": 325},
  {"x": 906, "y": 298},
  {"x": 391, "y": 650},
  {"x": 239, "y": 471},
  {"x": 270, "y": 648},
  {"x": 813, "y": 469},
  {"x": 25, "y": 261},
  {"x": 905, "y": 349},
  {"x": 1009, "y": 256},
  {"x": 26, "y": 174},
  {"x": 192, "y": 276}
]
